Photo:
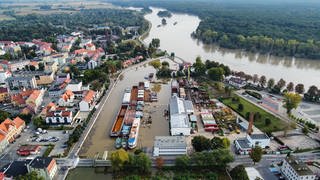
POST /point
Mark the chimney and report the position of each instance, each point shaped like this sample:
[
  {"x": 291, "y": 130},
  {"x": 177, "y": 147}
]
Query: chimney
[{"x": 251, "y": 117}]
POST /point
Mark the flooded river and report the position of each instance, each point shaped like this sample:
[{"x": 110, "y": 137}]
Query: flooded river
[{"x": 176, "y": 38}]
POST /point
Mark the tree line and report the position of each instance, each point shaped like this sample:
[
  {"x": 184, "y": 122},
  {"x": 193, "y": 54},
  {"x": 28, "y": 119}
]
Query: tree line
[
  {"x": 26, "y": 28},
  {"x": 287, "y": 29}
]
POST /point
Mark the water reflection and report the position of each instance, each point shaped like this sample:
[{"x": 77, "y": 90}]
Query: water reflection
[{"x": 177, "y": 39}]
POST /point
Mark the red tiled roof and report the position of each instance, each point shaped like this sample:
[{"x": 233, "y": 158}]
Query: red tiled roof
[
  {"x": 18, "y": 122},
  {"x": 89, "y": 96},
  {"x": 35, "y": 94}
]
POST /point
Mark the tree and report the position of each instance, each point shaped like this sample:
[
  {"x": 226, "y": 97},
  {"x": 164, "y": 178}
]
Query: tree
[
  {"x": 33, "y": 175},
  {"x": 38, "y": 121},
  {"x": 290, "y": 86},
  {"x": 159, "y": 162},
  {"x": 270, "y": 83},
  {"x": 32, "y": 68},
  {"x": 199, "y": 67},
  {"x": 281, "y": 83},
  {"x": 41, "y": 66},
  {"x": 216, "y": 74},
  {"x": 142, "y": 163},
  {"x": 240, "y": 107},
  {"x": 226, "y": 142},
  {"x": 155, "y": 43},
  {"x": 3, "y": 115},
  {"x": 267, "y": 121},
  {"x": 256, "y": 154},
  {"x": 239, "y": 172},
  {"x": 165, "y": 63},
  {"x": 263, "y": 81},
  {"x": 118, "y": 159},
  {"x": 299, "y": 88},
  {"x": 216, "y": 143},
  {"x": 305, "y": 130},
  {"x": 291, "y": 101},
  {"x": 155, "y": 64},
  {"x": 182, "y": 162},
  {"x": 255, "y": 78},
  {"x": 200, "y": 143}
]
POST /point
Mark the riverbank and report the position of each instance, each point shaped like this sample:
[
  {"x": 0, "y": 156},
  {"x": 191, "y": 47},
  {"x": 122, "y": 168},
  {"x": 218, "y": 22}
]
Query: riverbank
[{"x": 177, "y": 39}]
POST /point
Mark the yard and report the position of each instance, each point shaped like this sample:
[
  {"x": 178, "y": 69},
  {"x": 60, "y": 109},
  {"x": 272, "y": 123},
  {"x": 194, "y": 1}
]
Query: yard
[{"x": 271, "y": 125}]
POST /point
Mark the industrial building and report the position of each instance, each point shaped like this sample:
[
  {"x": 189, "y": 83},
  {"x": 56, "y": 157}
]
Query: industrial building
[
  {"x": 244, "y": 145},
  {"x": 169, "y": 146},
  {"x": 180, "y": 110}
]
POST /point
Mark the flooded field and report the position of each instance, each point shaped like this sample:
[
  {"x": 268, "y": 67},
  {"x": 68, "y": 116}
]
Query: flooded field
[{"x": 99, "y": 140}]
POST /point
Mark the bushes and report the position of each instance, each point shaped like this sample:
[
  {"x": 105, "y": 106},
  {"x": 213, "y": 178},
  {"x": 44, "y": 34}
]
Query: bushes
[
  {"x": 239, "y": 172},
  {"x": 48, "y": 150},
  {"x": 254, "y": 94}
]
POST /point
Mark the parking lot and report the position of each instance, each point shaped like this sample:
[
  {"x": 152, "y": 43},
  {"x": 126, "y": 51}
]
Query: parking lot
[
  {"x": 26, "y": 139},
  {"x": 58, "y": 138}
]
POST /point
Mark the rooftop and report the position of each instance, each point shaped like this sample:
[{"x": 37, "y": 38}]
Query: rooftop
[
  {"x": 15, "y": 168},
  {"x": 259, "y": 136},
  {"x": 243, "y": 143},
  {"x": 170, "y": 142},
  {"x": 299, "y": 166},
  {"x": 41, "y": 162}
]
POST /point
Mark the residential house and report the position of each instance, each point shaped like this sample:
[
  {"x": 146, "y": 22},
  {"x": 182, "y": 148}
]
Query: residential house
[
  {"x": 60, "y": 116},
  {"x": 46, "y": 167},
  {"x": 74, "y": 86},
  {"x": 61, "y": 77},
  {"x": 67, "y": 99},
  {"x": 49, "y": 108},
  {"x": 292, "y": 168},
  {"x": 236, "y": 82},
  {"x": 245, "y": 145},
  {"x": 88, "y": 101},
  {"x": 90, "y": 47},
  {"x": 20, "y": 98},
  {"x": 57, "y": 88},
  {"x": 85, "y": 42},
  {"x": 18, "y": 65},
  {"x": 35, "y": 64},
  {"x": 51, "y": 66},
  {"x": 9, "y": 130},
  {"x": 4, "y": 95},
  {"x": 16, "y": 83},
  {"x": 44, "y": 48},
  {"x": 44, "y": 77},
  {"x": 4, "y": 74},
  {"x": 131, "y": 61},
  {"x": 35, "y": 99}
]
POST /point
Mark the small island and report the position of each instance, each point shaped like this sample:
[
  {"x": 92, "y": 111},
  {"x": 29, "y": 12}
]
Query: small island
[
  {"x": 164, "y": 21},
  {"x": 164, "y": 14}
]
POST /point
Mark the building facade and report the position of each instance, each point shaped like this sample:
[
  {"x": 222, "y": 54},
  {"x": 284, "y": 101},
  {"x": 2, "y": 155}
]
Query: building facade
[{"x": 295, "y": 169}]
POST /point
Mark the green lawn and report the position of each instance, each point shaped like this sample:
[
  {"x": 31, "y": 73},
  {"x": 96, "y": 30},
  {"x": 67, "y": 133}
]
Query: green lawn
[{"x": 275, "y": 125}]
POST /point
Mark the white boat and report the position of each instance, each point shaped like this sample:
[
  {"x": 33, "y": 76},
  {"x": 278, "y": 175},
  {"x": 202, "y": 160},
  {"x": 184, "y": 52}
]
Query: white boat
[
  {"x": 126, "y": 96},
  {"x": 134, "y": 133}
]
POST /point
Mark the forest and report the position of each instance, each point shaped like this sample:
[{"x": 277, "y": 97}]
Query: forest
[
  {"x": 26, "y": 28},
  {"x": 290, "y": 28}
]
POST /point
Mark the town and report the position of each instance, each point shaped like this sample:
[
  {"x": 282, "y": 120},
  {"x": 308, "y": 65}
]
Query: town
[{"x": 107, "y": 100}]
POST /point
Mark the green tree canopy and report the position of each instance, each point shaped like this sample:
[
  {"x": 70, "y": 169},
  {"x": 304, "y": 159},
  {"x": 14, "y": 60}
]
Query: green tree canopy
[
  {"x": 256, "y": 154},
  {"x": 291, "y": 101}
]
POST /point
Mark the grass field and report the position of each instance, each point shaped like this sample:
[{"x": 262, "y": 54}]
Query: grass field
[
  {"x": 23, "y": 8},
  {"x": 275, "y": 125}
]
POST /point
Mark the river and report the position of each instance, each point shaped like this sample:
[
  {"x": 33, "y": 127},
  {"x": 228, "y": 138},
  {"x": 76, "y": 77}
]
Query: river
[{"x": 177, "y": 39}]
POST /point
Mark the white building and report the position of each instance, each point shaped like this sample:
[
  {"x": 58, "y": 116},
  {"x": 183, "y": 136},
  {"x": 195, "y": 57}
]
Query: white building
[
  {"x": 67, "y": 99},
  {"x": 179, "y": 119},
  {"x": 4, "y": 75},
  {"x": 88, "y": 101},
  {"x": 59, "y": 117},
  {"x": 15, "y": 83},
  {"x": 92, "y": 64},
  {"x": 296, "y": 170},
  {"x": 244, "y": 145},
  {"x": 74, "y": 86},
  {"x": 169, "y": 146}
]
